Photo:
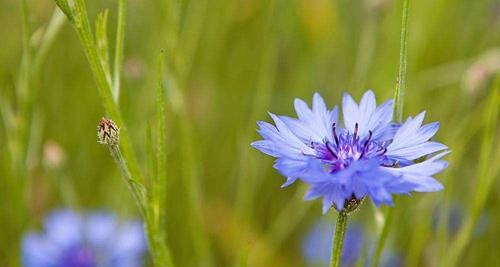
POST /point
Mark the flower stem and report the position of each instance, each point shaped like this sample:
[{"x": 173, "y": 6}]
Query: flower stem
[
  {"x": 120, "y": 37},
  {"x": 338, "y": 239},
  {"x": 403, "y": 62},
  {"x": 137, "y": 190},
  {"x": 397, "y": 116}
]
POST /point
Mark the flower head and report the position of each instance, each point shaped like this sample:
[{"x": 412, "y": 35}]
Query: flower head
[
  {"x": 368, "y": 155},
  {"x": 73, "y": 240},
  {"x": 108, "y": 133}
]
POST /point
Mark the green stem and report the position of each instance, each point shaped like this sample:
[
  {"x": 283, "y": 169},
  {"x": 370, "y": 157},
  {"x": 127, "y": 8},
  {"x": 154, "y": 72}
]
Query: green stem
[
  {"x": 81, "y": 23},
  {"x": 398, "y": 116},
  {"x": 136, "y": 188},
  {"x": 120, "y": 36},
  {"x": 338, "y": 239},
  {"x": 403, "y": 62}
]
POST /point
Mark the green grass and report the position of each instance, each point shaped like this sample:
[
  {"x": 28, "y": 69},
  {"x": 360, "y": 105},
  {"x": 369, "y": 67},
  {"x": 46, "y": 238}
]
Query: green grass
[{"x": 187, "y": 120}]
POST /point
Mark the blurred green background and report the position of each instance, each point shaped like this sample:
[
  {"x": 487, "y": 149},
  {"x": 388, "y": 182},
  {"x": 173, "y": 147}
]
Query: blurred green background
[{"x": 236, "y": 60}]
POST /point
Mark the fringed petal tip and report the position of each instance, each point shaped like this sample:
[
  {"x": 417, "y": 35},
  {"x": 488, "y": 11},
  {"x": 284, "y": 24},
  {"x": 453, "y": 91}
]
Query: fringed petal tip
[
  {"x": 326, "y": 208},
  {"x": 288, "y": 182}
]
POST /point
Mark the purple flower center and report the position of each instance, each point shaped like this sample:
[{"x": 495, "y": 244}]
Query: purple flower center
[
  {"x": 346, "y": 148},
  {"x": 79, "y": 256}
]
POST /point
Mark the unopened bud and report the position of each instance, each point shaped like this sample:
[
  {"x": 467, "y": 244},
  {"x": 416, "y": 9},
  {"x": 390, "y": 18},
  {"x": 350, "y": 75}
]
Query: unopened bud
[
  {"x": 108, "y": 133},
  {"x": 53, "y": 155},
  {"x": 482, "y": 72}
]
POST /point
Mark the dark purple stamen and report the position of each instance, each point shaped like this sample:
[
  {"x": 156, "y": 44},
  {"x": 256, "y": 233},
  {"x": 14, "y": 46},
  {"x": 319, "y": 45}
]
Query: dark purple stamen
[
  {"x": 335, "y": 134},
  {"x": 392, "y": 164},
  {"x": 382, "y": 151},
  {"x": 355, "y": 137},
  {"x": 330, "y": 149},
  {"x": 365, "y": 145}
]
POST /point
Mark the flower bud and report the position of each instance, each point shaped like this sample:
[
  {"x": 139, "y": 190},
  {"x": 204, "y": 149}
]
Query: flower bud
[
  {"x": 108, "y": 133},
  {"x": 53, "y": 155}
]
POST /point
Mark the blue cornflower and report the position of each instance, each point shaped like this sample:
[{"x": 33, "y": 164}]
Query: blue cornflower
[
  {"x": 368, "y": 156},
  {"x": 74, "y": 240}
]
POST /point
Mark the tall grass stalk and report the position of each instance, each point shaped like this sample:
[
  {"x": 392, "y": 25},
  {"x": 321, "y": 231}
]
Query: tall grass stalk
[
  {"x": 398, "y": 117},
  {"x": 149, "y": 201},
  {"x": 157, "y": 197},
  {"x": 119, "y": 44}
]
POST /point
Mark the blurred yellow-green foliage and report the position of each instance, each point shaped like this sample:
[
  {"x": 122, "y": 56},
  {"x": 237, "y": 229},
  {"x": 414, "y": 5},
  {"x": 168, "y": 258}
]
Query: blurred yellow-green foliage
[{"x": 238, "y": 59}]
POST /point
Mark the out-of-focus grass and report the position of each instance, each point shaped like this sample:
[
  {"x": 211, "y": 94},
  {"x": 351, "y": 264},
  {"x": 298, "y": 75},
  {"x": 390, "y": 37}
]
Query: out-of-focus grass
[{"x": 230, "y": 62}]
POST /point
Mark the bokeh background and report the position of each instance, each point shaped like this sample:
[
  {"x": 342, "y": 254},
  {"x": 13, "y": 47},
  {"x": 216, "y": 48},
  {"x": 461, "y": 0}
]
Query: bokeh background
[{"x": 236, "y": 60}]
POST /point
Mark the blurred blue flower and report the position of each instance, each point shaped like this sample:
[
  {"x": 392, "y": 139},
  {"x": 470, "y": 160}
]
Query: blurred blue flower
[
  {"x": 368, "y": 156},
  {"x": 70, "y": 239},
  {"x": 456, "y": 217},
  {"x": 317, "y": 246}
]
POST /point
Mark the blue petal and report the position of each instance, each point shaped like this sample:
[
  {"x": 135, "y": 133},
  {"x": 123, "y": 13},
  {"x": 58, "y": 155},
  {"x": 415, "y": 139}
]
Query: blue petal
[
  {"x": 302, "y": 130},
  {"x": 266, "y": 147},
  {"x": 350, "y": 111},
  {"x": 282, "y": 140},
  {"x": 267, "y": 130},
  {"x": 332, "y": 193},
  {"x": 289, "y": 181},
  {"x": 290, "y": 167},
  {"x": 411, "y": 140},
  {"x": 368, "y": 103},
  {"x": 416, "y": 151},
  {"x": 385, "y": 133},
  {"x": 379, "y": 195},
  {"x": 324, "y": 118},
  {"x": 318, "y": 120},
  {"x": 100, "y": 228},
  {"x": 64, "y": 228},
  {"x": 361, "y": 178},
  {"x": 285, "y": 133},
  {"x": 129, "y": 242},
  {"x": 428, "y": 167},
  {"x": 319, "y": 106},
  {"x": 367, "y": 115},
  {"x": 380, "y": 122},
  {"x": 38, "y": 251},
  {"x": 419, "y": 175}
]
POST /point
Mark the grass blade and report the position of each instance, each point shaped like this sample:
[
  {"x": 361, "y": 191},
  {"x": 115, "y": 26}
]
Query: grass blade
[
  {"x": 403, "y": 62},
  {"x": 398, "y": 116},
  {"x": 120, "y": 38}
]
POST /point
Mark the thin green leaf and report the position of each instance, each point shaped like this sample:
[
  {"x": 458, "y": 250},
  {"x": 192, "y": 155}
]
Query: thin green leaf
[
  {"x": 102, "y": 39},
  {"x": 159, "y": 184},
  {"x": 120, "y": 40},
  {"x": 53, "y": 30},
  {"x": 403, "y": 62},
  {"x": 65, "y": 8},
  {"x": 398, "y": 116}
]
